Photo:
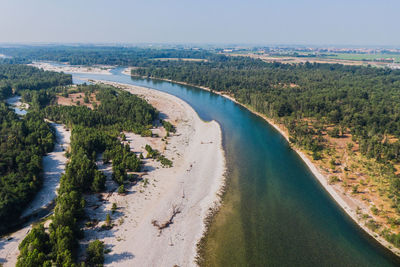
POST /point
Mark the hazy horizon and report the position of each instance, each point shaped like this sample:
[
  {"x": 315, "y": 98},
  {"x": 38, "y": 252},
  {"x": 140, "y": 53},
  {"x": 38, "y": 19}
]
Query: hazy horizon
[{"x": 286, "y": 22}]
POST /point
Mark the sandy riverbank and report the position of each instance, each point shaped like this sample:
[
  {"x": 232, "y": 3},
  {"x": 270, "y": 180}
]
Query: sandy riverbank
[
  {"x": 127, "y": 71},
  {"x": 53, "y": 167},
  {"x": 73, "y": 69},
  {"x": 192, "y": 185},
  {"x": 348, "y": 203}
]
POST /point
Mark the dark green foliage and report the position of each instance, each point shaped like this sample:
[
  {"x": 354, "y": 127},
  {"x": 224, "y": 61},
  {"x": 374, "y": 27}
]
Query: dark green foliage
[
  {"x": 164, "y": 161},
  {"x": 21, "y": 77},
  {"x": 114, "y": 207},
  {"x": 95, "y": 254},
  {"x": 89, "y": 55},
  {"x": 5, "y": 89},
  {"x": 14, "y": 61},
  {"x": 63, "y": 242},
  {"x": 151, "y": 153},
  {"x": 118, "y": 109},
  {"x": 124, "y": 107},
  {"x": 79, "y": 173},
  {"x": 168, "y": 126},
  {"x": 34, "y": 249},
  {"x": 23, "y": 142},
  {"x": 146, "y": 133},
  {"x": 155, "y": 154},
  {"x": 99, "y": 181},
  {"x": 123, "y": 160},
  {"x": 335, "y": 132},
  {"x": 121, "y": 189}
]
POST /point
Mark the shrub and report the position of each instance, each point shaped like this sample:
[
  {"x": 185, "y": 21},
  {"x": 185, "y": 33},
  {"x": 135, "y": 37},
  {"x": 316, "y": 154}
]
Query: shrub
[
  {"x": 333, "y": 179},
  {"x": 108, "y": 219},
  {"x": 316, "y": 155},
  {"x": 374, "y": 210},
  {"x": 121, "y": 189},
  {"x": 98, "y": 183},
  {"x": 95, "y": 253},
  {"x": 335, "y": 132},
  {"x": 146, "y": 133},
  {"x": 114, "y": 207},
  {"x": 355, "y": 189}
]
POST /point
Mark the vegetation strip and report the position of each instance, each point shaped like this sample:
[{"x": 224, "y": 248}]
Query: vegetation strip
[{"x": 93, "y": 132}]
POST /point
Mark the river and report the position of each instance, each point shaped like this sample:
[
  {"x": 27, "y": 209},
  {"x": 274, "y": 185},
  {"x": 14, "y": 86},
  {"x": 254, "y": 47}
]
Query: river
[
  {"x": 17, "y": 105},
  {"x": 275, "y": 213}
]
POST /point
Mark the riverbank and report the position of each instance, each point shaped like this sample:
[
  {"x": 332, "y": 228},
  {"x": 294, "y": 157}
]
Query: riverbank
[
  {"x": 104, "y": 70},
  {"x": 19, "y": 107},
  {"x": 53, "y": 167},
  {"x": 185, "y": 193},
  {"x": 354, "y": 207}
]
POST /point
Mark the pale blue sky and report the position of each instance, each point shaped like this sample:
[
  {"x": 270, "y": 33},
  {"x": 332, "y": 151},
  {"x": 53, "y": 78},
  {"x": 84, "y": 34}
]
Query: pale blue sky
[{"x": 348, "y": 22}]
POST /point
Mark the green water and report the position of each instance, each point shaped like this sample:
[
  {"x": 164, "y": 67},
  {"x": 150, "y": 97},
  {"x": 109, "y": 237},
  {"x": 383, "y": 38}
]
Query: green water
[{"x": 275, "y": 213}]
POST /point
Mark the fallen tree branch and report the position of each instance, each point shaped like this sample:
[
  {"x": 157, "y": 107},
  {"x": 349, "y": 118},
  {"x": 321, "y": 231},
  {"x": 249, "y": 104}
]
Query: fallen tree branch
[{"x": 160, "y": 227}]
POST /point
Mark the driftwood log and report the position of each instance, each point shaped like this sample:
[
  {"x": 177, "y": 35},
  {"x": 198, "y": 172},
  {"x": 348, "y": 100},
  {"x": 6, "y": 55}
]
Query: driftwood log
[{"x": 162, "y": 226}]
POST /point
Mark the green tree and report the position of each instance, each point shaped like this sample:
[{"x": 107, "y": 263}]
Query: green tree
[{"x": 95, "y": 254}]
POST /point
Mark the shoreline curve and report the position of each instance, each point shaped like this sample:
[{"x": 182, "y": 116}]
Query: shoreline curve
[
  {"x": 322, "y": 179},
  {"x": 195, "y": 183}
]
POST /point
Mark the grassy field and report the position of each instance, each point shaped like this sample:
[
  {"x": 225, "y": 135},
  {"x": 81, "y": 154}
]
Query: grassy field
[{"x": 371, "y": 57}]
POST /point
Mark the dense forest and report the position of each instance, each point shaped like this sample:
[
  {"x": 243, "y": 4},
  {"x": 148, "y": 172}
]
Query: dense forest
[
  {"x": 23, "y": 140},
  {"x": 117, "y": 109},
  {"x": 21, "y": 77},
  {"x": 94, "y": 131},
  {"x": 364, "y": 99},
  {"x": 89, "y": 55}
]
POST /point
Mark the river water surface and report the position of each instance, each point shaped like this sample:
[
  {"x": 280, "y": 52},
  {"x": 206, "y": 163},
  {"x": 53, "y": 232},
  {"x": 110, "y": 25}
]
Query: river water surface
[{"x": 275, "y": 213}]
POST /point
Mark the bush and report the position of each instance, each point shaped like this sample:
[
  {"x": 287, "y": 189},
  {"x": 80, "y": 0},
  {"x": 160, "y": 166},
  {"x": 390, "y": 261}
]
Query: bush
[
  {"x": 316, "y": 155},
  {"x": 114, "y": 207},
  {"x": 121, "y": 189},
  {"x": 95, "y": 253},
  {"x": 99, "y": 181},
  {"x": 355, "y": 189},
  {"x": 374, "y": 210},
  {"x": 335, "y": 132},
  {"x": 165, "y": 162},
  {"x": 333, "y": 179},
  {"x": 168, "y": 127},
  {"x": 146, "y": 133},
  {"x": 350, "y": 146},
  {"x": 108, "y": 220}
]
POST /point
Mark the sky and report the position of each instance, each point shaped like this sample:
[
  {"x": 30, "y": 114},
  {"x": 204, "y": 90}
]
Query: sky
[{"x": 318, "y": 22}]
